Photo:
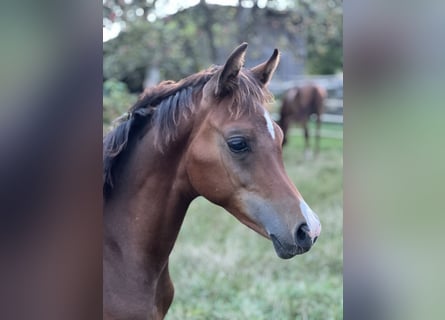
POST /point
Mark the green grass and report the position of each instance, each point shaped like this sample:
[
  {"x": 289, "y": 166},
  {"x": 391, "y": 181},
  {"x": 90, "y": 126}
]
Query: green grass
[{"x": 223, "y": 270}]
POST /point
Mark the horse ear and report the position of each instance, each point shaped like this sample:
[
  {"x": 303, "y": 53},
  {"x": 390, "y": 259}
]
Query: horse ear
[
  {"x": 264, "y": 72},
  {"x": 229, "y": 73}
]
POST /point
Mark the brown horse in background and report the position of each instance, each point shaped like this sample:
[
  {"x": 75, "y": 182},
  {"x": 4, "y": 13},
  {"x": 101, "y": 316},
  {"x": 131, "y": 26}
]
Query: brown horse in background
[
  {"x": 207, "y": 135},
  {"x": 298, "y": 105}
]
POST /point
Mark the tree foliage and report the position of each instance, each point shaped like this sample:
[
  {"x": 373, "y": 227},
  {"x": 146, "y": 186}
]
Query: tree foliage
[
  {"x": 324, "y": 35},
  {"x": 116, "y": 100},
  {"x": 182, "y": 43}
]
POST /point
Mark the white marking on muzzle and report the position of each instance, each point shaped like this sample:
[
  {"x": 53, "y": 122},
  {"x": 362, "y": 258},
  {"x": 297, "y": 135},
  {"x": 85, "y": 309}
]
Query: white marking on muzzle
[
  {"x": 311, "y": 219},
  {"x": 269, "y": 124}
]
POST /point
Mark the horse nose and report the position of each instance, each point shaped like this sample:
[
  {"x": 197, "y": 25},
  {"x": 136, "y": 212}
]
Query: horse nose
[{"x": 303, "y": 237}]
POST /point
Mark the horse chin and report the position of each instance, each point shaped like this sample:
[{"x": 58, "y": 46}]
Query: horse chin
[{"x": 286, "y": 251}]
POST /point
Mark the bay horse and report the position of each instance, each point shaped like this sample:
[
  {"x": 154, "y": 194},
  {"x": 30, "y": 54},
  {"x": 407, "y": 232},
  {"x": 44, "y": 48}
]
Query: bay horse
[
  {"x": 299, "y": 103},
  {"x": 207, "y": 135}
]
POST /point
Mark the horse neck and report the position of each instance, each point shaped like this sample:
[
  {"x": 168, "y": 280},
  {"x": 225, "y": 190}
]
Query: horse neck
[{"x": 144, "y": 217}]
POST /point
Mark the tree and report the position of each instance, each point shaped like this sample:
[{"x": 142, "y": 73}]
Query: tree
[
  {"x": 192, "y": 39},
  {"x": 323, "y": 27}
]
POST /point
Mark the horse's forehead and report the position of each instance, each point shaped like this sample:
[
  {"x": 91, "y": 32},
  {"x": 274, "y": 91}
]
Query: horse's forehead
[{"x": 257, "y": 118}]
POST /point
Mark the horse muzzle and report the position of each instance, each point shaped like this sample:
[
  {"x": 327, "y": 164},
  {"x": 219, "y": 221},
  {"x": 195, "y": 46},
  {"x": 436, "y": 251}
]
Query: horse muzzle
[
  {"x": 268, "y": 221},
  {"x": 304, "y": 239}
]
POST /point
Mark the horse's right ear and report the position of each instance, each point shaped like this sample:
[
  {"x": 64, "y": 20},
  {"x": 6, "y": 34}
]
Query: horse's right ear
[{"x": 227, "y": 79}]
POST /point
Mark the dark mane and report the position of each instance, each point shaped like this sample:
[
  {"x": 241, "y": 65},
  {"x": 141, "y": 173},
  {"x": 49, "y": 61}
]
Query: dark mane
[{"x": 164, "y": 106}]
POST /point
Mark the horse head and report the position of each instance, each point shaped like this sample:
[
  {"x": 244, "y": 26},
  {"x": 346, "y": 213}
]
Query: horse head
[{"x": 235, "y": 160}]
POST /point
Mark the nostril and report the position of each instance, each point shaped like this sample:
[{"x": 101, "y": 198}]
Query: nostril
[
  {"x": 315, "y": 239},
  {"x": 302, "y": 232},
  {"x": 302, "y": 236}
]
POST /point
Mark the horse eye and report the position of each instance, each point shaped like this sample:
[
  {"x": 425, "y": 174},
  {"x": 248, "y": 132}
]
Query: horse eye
[{"x": 238, "y": 144}]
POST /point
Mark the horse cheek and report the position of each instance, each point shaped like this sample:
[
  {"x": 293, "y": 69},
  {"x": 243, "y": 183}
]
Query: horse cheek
[{"x": 207, "y": 174}]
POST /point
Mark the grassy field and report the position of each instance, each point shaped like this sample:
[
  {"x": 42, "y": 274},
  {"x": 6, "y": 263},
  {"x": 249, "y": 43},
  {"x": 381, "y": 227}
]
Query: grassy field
[{"x": 223, "y": 270}]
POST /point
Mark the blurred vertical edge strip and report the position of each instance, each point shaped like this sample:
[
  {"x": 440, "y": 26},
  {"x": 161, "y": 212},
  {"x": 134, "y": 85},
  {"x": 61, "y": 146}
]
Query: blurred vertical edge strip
[
  {"x": 394, "y": 80},
  {"x": 50, "y": 163}
]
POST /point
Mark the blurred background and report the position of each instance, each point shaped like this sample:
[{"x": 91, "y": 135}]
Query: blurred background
[{"x": 220, "y": 268}]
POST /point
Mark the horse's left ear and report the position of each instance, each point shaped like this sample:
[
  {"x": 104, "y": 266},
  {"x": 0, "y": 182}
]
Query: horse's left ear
[
  {"x": 228, "y": 76},
  {"x": 264, "y": 72}
]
